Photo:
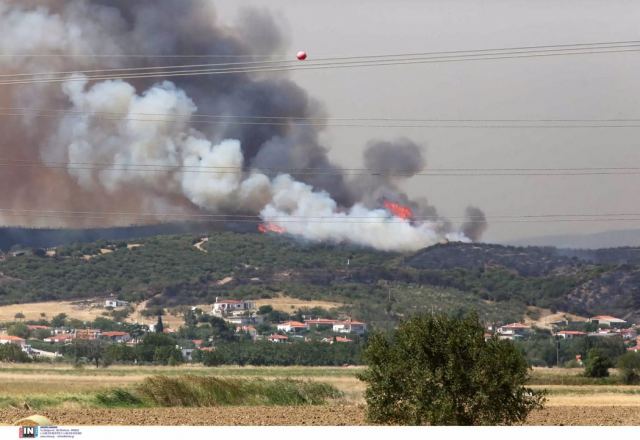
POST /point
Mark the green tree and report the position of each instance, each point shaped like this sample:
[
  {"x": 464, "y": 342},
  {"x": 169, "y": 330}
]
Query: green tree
[
  {"x": 13, "y": 353},
  {"x": 21, "y": 330},
  {"x": 159, "y": 328},
  {"x": 59, "y": 320},
  {"x": 629, "y": 365},
  {"x": 439, "y": 370},
  {"x": 597, "y": 364},
  {"x": 19, "y": 316},
  {"x": 211, "y": 358}
]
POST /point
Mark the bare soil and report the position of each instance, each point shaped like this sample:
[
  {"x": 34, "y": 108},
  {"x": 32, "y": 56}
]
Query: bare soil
[{"x": 328, "y": 415}]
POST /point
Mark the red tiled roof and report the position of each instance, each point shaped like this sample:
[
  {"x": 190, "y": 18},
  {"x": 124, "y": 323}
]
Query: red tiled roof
[
  {"x": 278, "y": 337},
  {"x": 607, "y": 318},
  {"x": 515, "y": 325},
  {"x": 38, "y": 327},
  {"x": 197, "y": 341},
  {"x": 293, "y": 324},
  {"x": 11, "y": 338},
  {"x": 343, "y": 339},
  {"x": 114, "y": 333},
  {"x": 63, "y": 337},
  {"x": 320, "y": 321}
]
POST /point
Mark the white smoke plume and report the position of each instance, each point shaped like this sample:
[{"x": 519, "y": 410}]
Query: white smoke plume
[{"x": 189, "y": 168}]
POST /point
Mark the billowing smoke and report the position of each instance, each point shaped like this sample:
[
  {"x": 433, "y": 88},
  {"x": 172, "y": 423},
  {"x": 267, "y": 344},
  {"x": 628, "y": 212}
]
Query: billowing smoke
[
  {"x": 476, "y": 223},
  {"x": 155, "y": 155}
]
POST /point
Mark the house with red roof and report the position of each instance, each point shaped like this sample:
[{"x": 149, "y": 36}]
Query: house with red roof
[
  {"x": 292, "y": 326},
  {"x": 277, "y": 338},
  {"x": 8, "y": 339},
  {"x": 251, "y": 330},
  {"x": 569, "y": 334},
  {"x": 320, "y": 323},
  {"x": 350, "y": 326},
  {"x": 513, "y": 330},
  {"x": 59, "y": 338},
  {"x": 115, "y": 336},
  {"x": 343, "y": 339},
  {"x": 608, "y": 320}
]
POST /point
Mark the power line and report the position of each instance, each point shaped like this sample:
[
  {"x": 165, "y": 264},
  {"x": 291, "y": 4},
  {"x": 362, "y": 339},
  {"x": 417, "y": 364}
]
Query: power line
[
  {"x": 285, "y": 122},
  {"x": 435, "y": 172},
  {"x": 28, "y": 111},
  {"x": 287, "y": 61},
  {"x": 301, "y": 172},
  {"x": 233, "y": 218},
  {"x": 330, "y": 65}
]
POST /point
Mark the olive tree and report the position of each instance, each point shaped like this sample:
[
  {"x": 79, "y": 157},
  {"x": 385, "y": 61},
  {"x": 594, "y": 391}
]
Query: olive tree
[
  {"x": 629, "y": 366},
  {"x": 439, "y": 370}
]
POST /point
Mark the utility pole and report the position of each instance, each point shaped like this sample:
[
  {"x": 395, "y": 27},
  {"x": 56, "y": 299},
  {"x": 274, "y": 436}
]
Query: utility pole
[{"x": 557, "y": 352}]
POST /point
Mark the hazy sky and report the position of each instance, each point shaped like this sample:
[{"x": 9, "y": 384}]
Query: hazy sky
[{"x": 585, "y": 86}]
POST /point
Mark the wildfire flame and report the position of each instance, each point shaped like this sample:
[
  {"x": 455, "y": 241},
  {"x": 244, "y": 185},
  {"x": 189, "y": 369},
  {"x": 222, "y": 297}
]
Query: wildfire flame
[
  {"x": 398, "y": 210},
  {"x": 270, "y": 227}
]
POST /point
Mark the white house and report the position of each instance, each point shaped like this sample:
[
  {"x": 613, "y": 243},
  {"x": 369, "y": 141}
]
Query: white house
[
  {"x": 569, "y": 334},
  {"x": 277, "y": 338},
  {"x": 513, "y": 330},
  {"x": 8, "y": 339},
  {"x": 607, "y": 320},
  {"x": 116, "y": 336},
  {"x": 226, "y": 306},
  {"x": 350, "y": 326},
  {"x": 114, "y": 303},
  {"x": 292, "y": 326}
]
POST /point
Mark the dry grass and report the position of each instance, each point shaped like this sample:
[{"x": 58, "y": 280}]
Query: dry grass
[
  {"x": 82, "y": 311},
  {"x": 287, "y": 304},
  {"x": 76, "y": 309}
]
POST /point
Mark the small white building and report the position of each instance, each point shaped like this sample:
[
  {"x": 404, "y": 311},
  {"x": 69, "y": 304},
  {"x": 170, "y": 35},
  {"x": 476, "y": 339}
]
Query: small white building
[
  {"x": 607, "y": 320},
  {"x": 8, "y": 339},
  {"x": 115, "y": 303},
  {"x": 277, "y": 338},
  {"x": 227, "y": 306},
  {"x": 116, "y": 336},
  {"x": 569, "y": 334},
  {"x": 350, "y": 326},
  {"x": 292, "y": 326},
  {"x": 513, "y": 330}
]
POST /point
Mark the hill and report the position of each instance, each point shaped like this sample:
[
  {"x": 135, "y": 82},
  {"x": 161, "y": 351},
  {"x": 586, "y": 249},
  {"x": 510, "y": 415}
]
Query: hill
[{"x": 500, "y": 282}]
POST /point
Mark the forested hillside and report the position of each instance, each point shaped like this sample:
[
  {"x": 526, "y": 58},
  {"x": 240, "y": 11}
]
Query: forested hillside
[{"x": 497, "y": 281}]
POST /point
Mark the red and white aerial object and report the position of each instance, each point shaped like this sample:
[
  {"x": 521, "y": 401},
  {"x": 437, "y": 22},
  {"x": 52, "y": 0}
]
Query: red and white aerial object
[{"x": 301, "y": 55}]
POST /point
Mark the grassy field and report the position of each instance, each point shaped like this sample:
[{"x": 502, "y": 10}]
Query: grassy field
[{"x": 62, "y": 390}]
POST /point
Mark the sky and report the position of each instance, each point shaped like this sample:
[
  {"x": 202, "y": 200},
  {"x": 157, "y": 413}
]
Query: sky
[{"x": 597, "y": 86}]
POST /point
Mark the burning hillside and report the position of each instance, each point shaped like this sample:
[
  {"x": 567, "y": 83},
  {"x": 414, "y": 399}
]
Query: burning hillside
[{"x": 140, "y": 150}]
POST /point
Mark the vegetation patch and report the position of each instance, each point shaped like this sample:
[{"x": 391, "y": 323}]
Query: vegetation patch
[{"x": 213, "y": 391}]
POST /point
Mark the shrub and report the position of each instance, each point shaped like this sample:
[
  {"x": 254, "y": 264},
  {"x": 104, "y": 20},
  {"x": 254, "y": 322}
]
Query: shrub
[
  {"x": 13, "y": 353},
  {"x": 439, "y": 370},
  {"x": 629, "y": 365},
  {"x": 597, "y": 364},
  {"x": 213, "y": 391},
  {"x": 118, "y": 397}
]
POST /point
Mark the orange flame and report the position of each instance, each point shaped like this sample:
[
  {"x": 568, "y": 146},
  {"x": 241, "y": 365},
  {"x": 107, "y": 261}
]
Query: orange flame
[
  {"x": 270, "y": 227},
  {"x": 398, "y": 210}
]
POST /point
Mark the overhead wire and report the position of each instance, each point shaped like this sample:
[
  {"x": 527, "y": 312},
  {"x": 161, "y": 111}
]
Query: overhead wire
[{"x": 352, "y": 62}]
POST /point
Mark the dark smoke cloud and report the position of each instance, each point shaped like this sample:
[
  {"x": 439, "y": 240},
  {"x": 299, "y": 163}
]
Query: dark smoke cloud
[
  {"x": 76, "y": 30},
  {"x": 476, "y": 223}
]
